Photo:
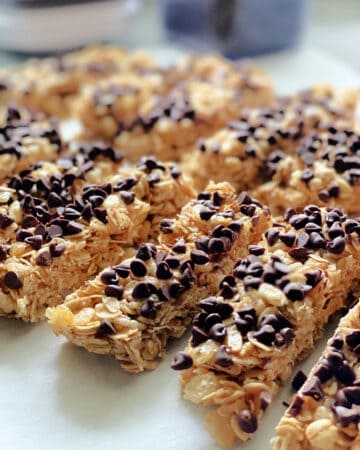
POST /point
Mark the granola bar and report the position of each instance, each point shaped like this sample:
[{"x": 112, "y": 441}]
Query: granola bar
[
  {"x": 324, "y": 169},
  {"x": 57, "y": 230},
  {"x": 260, "y": 138},
  {"x": 168, "y": 126},
  {"x": 278, "y": 300},
  {"x": 132, "y": 309},
  {"x": 325, "y": 413},
  {"x": 51, "y": 84},
  {"x": 24, "y": 139}
]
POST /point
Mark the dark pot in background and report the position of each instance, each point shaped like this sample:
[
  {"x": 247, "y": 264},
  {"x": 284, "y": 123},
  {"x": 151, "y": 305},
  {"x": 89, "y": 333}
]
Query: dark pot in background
[{"x": 234, "y": 27}]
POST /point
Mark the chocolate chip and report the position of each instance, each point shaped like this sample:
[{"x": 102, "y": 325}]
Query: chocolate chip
[
  {"x": 244, "y": 199},
  {"x": 316, "y": 241},
  {"x": 251, "y": 282},
  {"x": 114, "y": 290},
  {"x": 295, "y": 406},
  {"x": 288, "y": 238},
  {"x": 236, "y": 226},
  {"x": 73, "y": 228},
  {"x": 345, "y": 374},
  {"x": 199, "y": 257},
  {"x": 166, "y": 225},
  {"x": 298, "y": 380},
  {"x": 198, "y": 336},
  {"x": 141, "y": 291},
  {"x": 29, "y": 221},
  {"x": 179, "y": 246},
  {"x": 5, "y": 221},
  {"x": 284, "y": 337},
  {"x": 299, "y": 221},
  {"x": 312, "y": 388},
  {"x": 302, "y": 240},
  {"x": 336, "y": 230},
  {"x": 248, "y": 210},
  {"x": 222, "y": 358},
  {"x": 336, "y": 246},
  {"x": 55, "y": 231},
  {"x": 163, "y": 271},
  {"x": 299, "y": 253},
  {"x": 12, "y": 280},
  {"x": 144, "y": 252},
  {"x": 265, "y": 400},
  {"x": 127, "y": 197},
  {"x": 346, "y": 416},
  {"x": 313, "y": 277},
  {"x": 181, "y": 361},
  {"x": 352, "y": 339},
  {"x": 294, "y": 291},
  {"x": 272, "y": 236},
  {"x": 123, "y": 270},
  {"x": 307, "y": 175},
  {"x": 351, "y": 226},
  {"x": 247, "y": 421},
  {"x": 148, "y": 310},
  {"x": 218, "y": 332},
  {"x": 105, "y": 328},
  {"x": 138, "y": 268},
  {"x": 206, "y": 213},
  {"x": 34, "y": 241},
  {"x": 3, "y": 252},
  {"x": 44, "y": 259},
  {"x": 56, "y": 249},
  {"x": 172, "y": 261},
  {"x": 265, "y": 335},
  {"x": 256, "y": 250},
  {"x": 109, "y": 276}
]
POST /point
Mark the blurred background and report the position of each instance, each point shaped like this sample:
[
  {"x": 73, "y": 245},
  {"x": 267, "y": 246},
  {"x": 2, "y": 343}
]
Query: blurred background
[{"x": 236, "y": 28}]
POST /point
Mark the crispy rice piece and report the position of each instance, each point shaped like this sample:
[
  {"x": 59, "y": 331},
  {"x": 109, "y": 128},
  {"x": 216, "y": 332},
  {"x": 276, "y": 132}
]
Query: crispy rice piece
[
  {"x": 130, "y": 310},
  {"x": 325, "y": 413},
  {"x": 24, "y": 139},
  {"x": 51, "y": 84},
  {"x": 279, "y": 299},
  {"x": 57, "y": 230},
  {"x": 248, "y": 150}
]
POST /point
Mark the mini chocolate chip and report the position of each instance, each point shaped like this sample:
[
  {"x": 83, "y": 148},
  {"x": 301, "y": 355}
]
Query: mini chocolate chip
[
  {"x": 265, "y": 335},
  {"x": 312, "y": 388},
  {"x": 299, "y": 253},
  {"x": 141, "y": 291},
  {"x": 199, "y": 257},
  {"x": 105, "y": 328},
  {"x": 294, "y": 291},
  {"x": 12, "y": 280},
  {"x": 247, "y": 421},
  {"x": 138, "y": 267},
  {"x": 148, "y": 310},
  {"x": 198, "y": 336},
  {"x": 298, "y": 380},
  {"x": 127, "y": 197},
  {"x": 288, "y": 238},
  {"x": 44, "y": 259},
  {"x": 123, "y": 270},
  {"x": 114, "y": 290},
  {"x": 272, "y": 236},
  {"x": 56, "y": 249},
  {"x": 218, "y": 332},
  {"x": 109, "y": 276},
  {"x": 181, "y": 361},
  {"x": 222, "y": 358},
  {"x": 265, "y": 400},
  {"x": 336, "y": 246},
  {"x": 256, "y": 250},
  {"x": 163, "y": 271},
  {"x": 34, "y": 241},
  {"x": 179, "y": 246}
]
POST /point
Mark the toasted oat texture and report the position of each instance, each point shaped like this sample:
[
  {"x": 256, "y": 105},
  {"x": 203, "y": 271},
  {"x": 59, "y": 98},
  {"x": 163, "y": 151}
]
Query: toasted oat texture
[
  {"x": 324, "y": 169},
  {"x": 168, "y": 126},
  {"x": 131, "y": 309},
  {"x": 247, "y": 151},
  {"x": 325, "y": 413},
  {"x": 50, "y": 84},
  {"x": 25, "y": 139},
  {"x": 57, "y": 231},
  {"x": 278, "y": 300}
]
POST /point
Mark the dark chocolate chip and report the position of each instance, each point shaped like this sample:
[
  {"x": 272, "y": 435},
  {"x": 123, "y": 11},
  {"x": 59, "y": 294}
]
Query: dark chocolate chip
[
  {"x": 299, "y": 253},
  {"x": 336, "y": 246},
  {"x": 109, "y": 276},
  {"x": 312, "y": 388},
  {"x": 272, "y": 236},
  {"x": 218, "y": 332},
  {"x": 55, "y": 231},
  {"x": 34, "y": 241},
  {"x": 141, "y": 291},
  {"x": 265, "y": 335},
  {"x": 206, "y": 213},
  {"x": 5, "y": 221},
  {"x": 313, "y": 277},
  {"x": 294, "y": 291},
  {"x": 138, "y": 267},
  {"x": 199, "y": 257},
  {"x": 56, "y": 249},
  {"x": 299, "y": 221},
  {"x": 179, "y": 246},
  {"x": 298, "y": 380},
  {"x": 346, "y": 416},
  {"x": 198, "y": 336},
  {"x": 256, "y": 250},
  {"x": 123, "y": 270},
  {"x": 247, "y": 421},
  {"x": 105, "y": 328},
  {"x": 44, "y": 259},
  {"x": 148, "y": 310},
  {"x": 114, "y": 290},
  {"x": 127, "y": 197},
  {"x": 181, "y": 361},
  {"x": 265, "y": 400},
  {"x": 222, "y": 358},
  {"x": 288, "y": 238},
  {"x": 163, "y": 271},
  {"x": 295, "y": 406},
  {"x": 12, "y": 280}
]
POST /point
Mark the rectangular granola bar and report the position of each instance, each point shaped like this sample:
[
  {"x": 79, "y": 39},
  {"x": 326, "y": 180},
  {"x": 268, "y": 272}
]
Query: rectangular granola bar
[
  {"x": 279, "y": 298},
  {"x": 131, "y": 310},
  {"x": 325, "y": 413},
  {"x": 56, "y": 231}
]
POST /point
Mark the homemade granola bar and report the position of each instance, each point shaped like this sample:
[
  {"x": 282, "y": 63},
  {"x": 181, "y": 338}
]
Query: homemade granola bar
[
  {"x": 325, "y": 413},
  {"x": 50, "y": 84},
  {"x": 24, "y": 139},
  {"x": 168, "y": 126},
  {"x": 57, "y": 231},
  {"x": 278, "y": 300},
  {"x": 248, "y": 150},
  {"x": 324, "y": 169},
  {"x": 130, "y": 310}
]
